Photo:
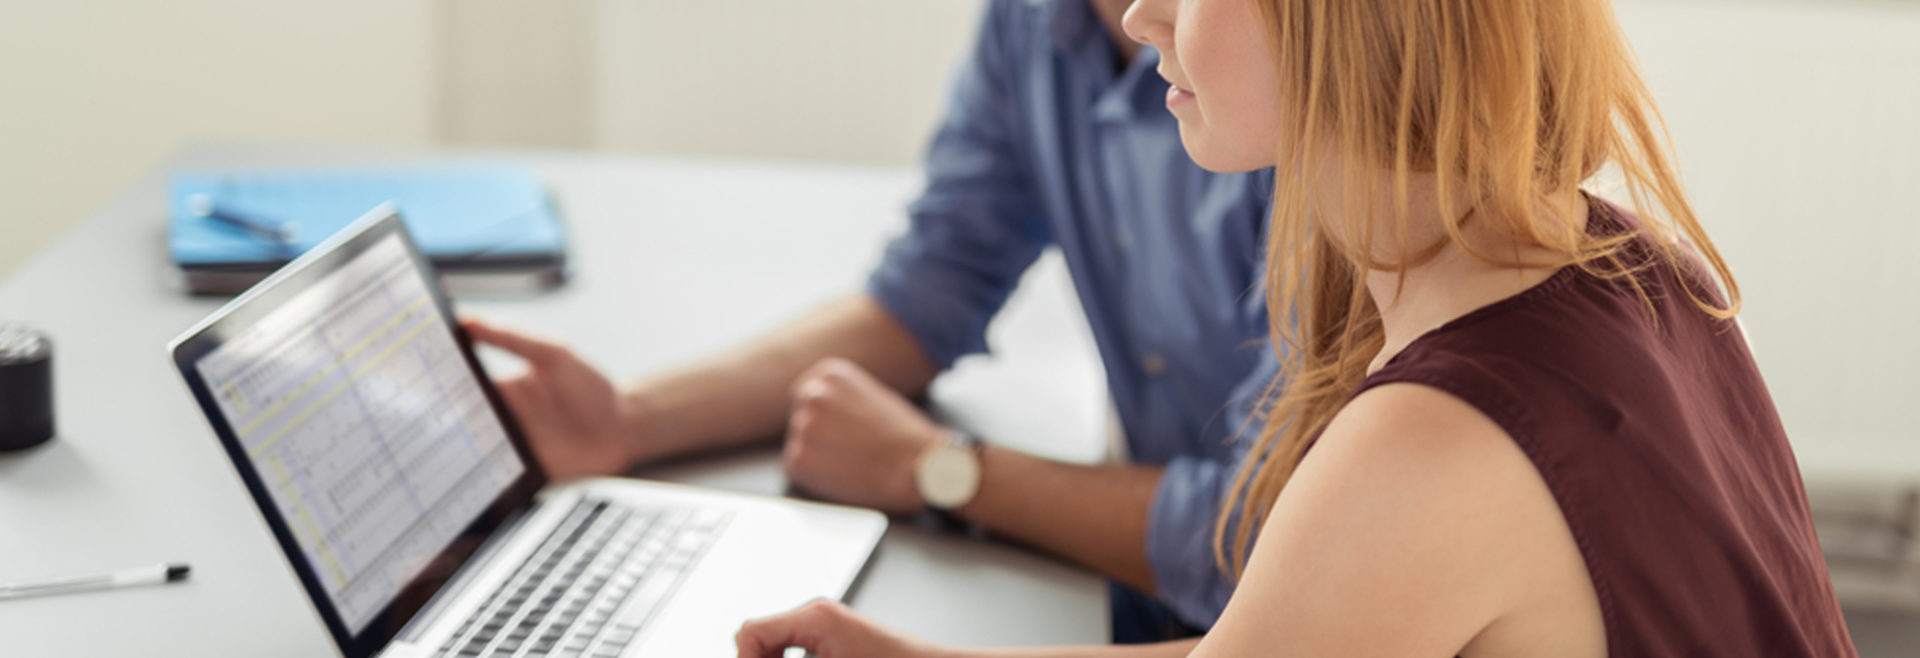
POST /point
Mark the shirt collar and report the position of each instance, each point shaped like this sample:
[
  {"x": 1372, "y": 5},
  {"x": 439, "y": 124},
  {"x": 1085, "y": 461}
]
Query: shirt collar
[
  {"x": 1139, "y": 91},
  {"x": 1079, "y": 36},
  {"x": 1072, "y": 23}
]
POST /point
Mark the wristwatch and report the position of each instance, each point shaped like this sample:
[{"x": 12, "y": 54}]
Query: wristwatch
[{"x": 948, "y": 474}]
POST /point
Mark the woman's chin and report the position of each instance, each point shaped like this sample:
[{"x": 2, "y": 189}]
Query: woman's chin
[{"x": 1213, "y": 155}]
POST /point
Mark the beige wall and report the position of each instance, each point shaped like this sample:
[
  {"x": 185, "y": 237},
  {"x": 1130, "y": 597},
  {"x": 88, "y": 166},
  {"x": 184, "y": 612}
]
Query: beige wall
[
  {"x": 94, "y": 94},
  {"x": 1796, "y": 131},
  {"x": 849, "y": 80},
  {"x": 518, "y": 73}
]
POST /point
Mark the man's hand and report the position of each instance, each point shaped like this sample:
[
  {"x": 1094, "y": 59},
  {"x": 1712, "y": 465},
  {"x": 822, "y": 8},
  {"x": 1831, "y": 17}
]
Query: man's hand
[
  {"x": 852, "y": 440},
  {"x": 577, "y": 422}
]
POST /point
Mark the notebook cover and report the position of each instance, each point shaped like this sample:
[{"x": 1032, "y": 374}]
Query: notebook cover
[{"x": 462, "y": 216}]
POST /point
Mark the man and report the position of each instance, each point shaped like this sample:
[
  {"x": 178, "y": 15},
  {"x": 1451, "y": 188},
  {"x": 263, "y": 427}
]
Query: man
[{"x": 1056, "y": 134}]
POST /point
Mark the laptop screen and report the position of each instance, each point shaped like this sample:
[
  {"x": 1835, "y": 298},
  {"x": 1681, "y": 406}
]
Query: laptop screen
[{"x": 361, "y": 416}]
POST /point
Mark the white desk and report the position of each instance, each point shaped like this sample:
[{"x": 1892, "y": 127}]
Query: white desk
[{"x": 672, "y": 260}]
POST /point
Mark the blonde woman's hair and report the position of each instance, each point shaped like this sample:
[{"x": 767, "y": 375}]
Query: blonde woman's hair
[{"x": 1510, "y": 104}]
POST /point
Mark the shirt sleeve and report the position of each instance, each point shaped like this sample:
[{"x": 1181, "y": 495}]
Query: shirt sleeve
[
  {"x": 977, "y": 226},
  {"x": 1187, "y": 506}
]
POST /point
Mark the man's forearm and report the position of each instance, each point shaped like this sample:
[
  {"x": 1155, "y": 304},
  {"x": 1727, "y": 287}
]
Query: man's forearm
[
  {"x": 1093, "y": 515},
  {"x": 742, "y": 395}
]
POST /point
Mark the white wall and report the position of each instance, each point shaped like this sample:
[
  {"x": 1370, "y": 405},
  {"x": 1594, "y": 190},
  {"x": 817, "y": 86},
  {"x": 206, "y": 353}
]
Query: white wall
[
  {"x": 519, "y": 73},
  {"x": 848, "y": 80},
  {"x": 93, "y": 94},
  {"x": 1798, "y": 131}
]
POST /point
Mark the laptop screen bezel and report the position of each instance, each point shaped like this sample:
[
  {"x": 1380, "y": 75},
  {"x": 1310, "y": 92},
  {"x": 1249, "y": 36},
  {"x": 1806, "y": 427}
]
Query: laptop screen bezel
[{"x": 277, "y": 290}]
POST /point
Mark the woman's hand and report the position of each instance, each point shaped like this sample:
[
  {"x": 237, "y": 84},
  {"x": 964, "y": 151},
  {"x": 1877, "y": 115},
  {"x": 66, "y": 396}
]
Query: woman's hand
[{"x": 828, "y": 630}]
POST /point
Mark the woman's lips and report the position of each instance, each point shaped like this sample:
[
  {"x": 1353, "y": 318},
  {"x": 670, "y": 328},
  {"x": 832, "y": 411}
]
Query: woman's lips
[{"x": 1176, "y": 95}]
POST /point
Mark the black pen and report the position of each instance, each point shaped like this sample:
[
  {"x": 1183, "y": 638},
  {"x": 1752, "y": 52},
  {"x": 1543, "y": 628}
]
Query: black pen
[{"x": 154, "y": 575}]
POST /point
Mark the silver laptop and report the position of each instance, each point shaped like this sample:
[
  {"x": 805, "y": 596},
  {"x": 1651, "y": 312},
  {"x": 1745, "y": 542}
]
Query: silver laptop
[{"x": 409, "y": 505}]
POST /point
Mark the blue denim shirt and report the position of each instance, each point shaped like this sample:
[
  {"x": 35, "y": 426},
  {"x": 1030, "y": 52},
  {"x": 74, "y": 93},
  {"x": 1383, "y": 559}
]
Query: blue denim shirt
[{"x": 1045, "y": 143}]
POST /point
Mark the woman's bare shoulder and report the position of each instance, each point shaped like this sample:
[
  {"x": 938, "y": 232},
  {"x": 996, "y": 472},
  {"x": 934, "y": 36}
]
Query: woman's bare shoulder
[{"x": 1415, "y": 526}]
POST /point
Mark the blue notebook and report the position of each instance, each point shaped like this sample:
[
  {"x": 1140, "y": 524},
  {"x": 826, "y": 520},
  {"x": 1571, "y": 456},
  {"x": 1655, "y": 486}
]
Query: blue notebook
[{"x": 469, "y": 219}]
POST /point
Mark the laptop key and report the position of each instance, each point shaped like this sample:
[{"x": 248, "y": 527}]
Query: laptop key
[{"x": 649, "y": 595}]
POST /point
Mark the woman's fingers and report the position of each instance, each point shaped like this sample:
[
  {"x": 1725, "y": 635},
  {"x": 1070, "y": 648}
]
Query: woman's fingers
[{"x": 770, "y": 637}]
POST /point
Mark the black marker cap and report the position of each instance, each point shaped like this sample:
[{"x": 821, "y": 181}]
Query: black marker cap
[{"x": 26, "y": 387}]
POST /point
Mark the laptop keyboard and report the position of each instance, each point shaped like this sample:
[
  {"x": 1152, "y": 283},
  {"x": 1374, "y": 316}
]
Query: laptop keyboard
[{"x": 604, "y": 558}]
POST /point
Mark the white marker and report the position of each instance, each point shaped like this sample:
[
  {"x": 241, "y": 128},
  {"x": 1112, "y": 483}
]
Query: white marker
[{"x": 154, "y": 575}]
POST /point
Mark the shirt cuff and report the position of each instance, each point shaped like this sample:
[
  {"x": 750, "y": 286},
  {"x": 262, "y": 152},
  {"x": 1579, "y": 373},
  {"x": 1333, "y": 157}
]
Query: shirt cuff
[{"x": 1180, "y": 540}]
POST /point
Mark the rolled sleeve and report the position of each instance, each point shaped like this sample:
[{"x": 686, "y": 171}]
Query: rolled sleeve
[
  {"x": 977, "y": 227},
  {"x": 1180, "y": 539},
  {"x": 1187, "y": 506}
]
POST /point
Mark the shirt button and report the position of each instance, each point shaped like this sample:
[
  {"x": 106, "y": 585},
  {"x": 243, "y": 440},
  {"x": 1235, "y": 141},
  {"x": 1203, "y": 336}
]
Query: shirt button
[
  {"x": 1153, "y": 363},
  {"x": 1123, "y": 237}
]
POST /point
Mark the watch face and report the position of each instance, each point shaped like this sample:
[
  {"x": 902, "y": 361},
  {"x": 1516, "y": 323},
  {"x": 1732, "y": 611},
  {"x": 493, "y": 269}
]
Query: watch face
[{"x": 948, "y": 477}]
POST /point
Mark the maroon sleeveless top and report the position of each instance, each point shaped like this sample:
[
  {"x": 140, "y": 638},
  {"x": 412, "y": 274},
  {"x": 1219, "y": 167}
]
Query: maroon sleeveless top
[{"x": 1657, "y": 438}]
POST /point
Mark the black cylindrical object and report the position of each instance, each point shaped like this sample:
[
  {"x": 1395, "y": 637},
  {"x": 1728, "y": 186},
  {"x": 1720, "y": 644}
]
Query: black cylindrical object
[{"x": 26, "y": 388}]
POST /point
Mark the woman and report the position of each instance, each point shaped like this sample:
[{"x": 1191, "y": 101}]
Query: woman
[{"x": 1521, "y": 421}]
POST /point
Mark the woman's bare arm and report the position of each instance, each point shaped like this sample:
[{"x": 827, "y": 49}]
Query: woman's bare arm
[
  {"x": 1161, "y": 650},
  {"x": 1415, "y": 527}
]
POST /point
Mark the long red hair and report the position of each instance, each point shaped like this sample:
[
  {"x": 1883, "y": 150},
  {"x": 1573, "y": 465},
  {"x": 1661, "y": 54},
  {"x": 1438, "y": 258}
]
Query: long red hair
[{"x": 1510, "y": 104}]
